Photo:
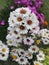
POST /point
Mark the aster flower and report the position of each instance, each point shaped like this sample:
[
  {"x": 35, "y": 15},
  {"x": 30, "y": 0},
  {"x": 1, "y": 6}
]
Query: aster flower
[
  {"x": 27, "y": 63},
  {"x": 22, "y": 29},
  {"x": 12, "y": 42},
  {"x": 37, "y": 63},
  {"x": 29, "y": 55},
  {"x": 35, "y": 30},
  {"x": 23, "y": 11},
  {"x": 4, "y": 50},
  {"x": 40, "y": 56},
  {"x": 22, "y": 60},
  {"x": 45, "y": 40},
  {"x": 32, "y": 21},
  {"x": 44, "y": 33},
  {"x": 21, "y": 52},
  {"x": 15, "y": 57},
  {"x": 28, "y": 41},
  {"x": 4, "y": 57},
  {"x": 33, "y": 49}
]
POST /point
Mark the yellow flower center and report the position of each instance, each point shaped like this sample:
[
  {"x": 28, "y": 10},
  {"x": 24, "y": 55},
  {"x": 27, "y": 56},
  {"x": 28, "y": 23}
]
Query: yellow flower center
[
  {"x": 10, "y": 41},
  {"x": 29, "y": 54},
  {"x": 44, "y": 34},
  {"x": 36, "y": 64},
  {"x": 37, "y": 41},
  {"x": 3, "y": 50},
  {"x": 14, "y": 57}
]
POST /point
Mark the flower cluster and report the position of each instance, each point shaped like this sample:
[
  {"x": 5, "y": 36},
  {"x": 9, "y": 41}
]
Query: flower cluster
[
  {"x": 31, "y": 3},
  {"x": 44, "y": 33},
  {"x": 24, "y": 56},
  {"x": 34, "y": 5},
  {"x": 24, "y": 34},
  {"x": 21, "y": 23},
  {"x": 4, "y": 51}
]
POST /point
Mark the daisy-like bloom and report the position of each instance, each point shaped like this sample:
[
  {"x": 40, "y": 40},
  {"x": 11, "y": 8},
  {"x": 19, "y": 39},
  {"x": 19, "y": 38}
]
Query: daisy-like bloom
[
  {"x": 13, "y": 31},
  {"x": 43, "y": 33},
  {"x": 33, "y": 49},
  {"x": 18, "y": 39},
  {"x": 19, "y": 18},
  {"x": 4, "y": 57},
  {"x": 22, "y": 60},
  {"x": 23, "y": 11},
  {"x": 27, "y": 63},
  {"x": 11, "y": 21},
  {"x": 36, "y": 29},
  {"x": 4, "y": 49},
  {"x": 32, "y": 21},
  {"x": 21, "y": 52},
  {"x": 9, "y": 36},
  {"x": 45, "y": 40},
  {"x": 15, "y": 57},
  {"x": 12, "y": 42},
  {"x": 29, "y": 55},
  {"x": 40, "y": 56},
  {"x": 28, "y": 41},
  {"x": 37, "y": 63},
  {"x": 14, "y": 51},
  {"x": 22, "y": 29}
]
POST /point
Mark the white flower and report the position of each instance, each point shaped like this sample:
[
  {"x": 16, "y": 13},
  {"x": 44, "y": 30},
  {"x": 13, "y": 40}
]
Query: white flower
[
  {"x": 22, "y": 60},
  {"x": 43, "y": 33},
  {"x": 14, "y": 31},
  {"x": 19, "y": 19},
  {"x": 22, "y": 29},
  {"x": 40, "y": 56},
  {"x": 35, "y": 29},
  {"x": 29, "y": 55},
  {"x": 27, "y": 63},
  {"x": 45, "y": 40},
  {"x": 4, "y": 49},
  {"x": 3, "y": 57},
  {"x": 33, "y": 49},
  {"x": 14, "y": 51},
  {"x": 11, "y": 21},
  {"x": 9, "y": 36},
  {"x": 18, "y": 39},
  {"x": 15, "y": 57},
  {"x": 31, "y": 23},
  {"x": 28, "y": 41},
  {"x": 23, "y": 11},
  {"x": 21, "y": 52},
  {"x": 33, "y": 35},
  {"x": 11, "y": 42},
  {"x": 37, "y": 63}
]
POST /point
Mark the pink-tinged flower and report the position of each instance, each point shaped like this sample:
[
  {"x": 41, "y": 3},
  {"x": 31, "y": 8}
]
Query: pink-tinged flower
[
  {"x": 2, "y": 22},
  {"x": 11, "y": 7},
  {"x": 28, "y": 41},
  {"x": 36, "y": 3}
]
